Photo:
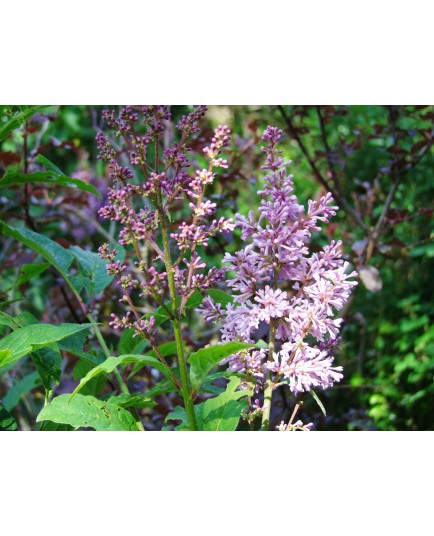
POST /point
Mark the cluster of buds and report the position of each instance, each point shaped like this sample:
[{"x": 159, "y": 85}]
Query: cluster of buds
[{"x": 146, "y": 193}]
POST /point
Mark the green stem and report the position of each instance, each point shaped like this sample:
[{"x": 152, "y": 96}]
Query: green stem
[
  {"x": 269, "y": 386},
  {"x": 185, "y": 386},
  {"x": 268, "y": 393},
  {"x": 122, "y": 385}
]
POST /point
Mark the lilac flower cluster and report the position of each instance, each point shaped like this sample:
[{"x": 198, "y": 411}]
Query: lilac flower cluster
[
  {"x": 278, "y": 284},
  {"x": 150, "y": 178},
  {"x": 297, "y": 426}
]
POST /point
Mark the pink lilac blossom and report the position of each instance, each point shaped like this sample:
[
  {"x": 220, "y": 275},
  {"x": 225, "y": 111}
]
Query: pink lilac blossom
[{"x": 316, "y": 285}]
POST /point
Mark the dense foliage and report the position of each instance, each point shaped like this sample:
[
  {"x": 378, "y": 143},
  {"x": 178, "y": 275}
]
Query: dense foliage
[{"x": 135, "y": 353}]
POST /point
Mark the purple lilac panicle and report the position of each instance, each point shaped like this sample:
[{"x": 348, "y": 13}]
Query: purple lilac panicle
[
  {"x": 144, "y": 193},
  {"x": 317, "y": 285}
]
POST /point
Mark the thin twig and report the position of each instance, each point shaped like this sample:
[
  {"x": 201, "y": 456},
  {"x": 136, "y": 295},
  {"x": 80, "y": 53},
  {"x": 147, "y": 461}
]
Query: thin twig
[{"x": 336, "y": 195}]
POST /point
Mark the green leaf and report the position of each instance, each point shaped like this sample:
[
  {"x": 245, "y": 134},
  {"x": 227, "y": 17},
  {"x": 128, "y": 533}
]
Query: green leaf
[
  {"x": 18, "y": 321},
  {"x": 11, "y": 178},
  {"x": 94, "y": 268},
  {"x": 87, "y": 412},
  {"x": 16, "y": 120},
  {"x": 7, "y": 422},
  {"x": 167, "y": 348},
  {"x": 161, "y": 315},
  {"x": 425, "y": 250},
  {"x": 318, "y": 401},
  {"x": 49, "y": 166},
  {"x": 210, "y": 388},
  {"x": 26, "y": 384},
  {"x": 128, "y": 344},
  {"x": 204, "y": 360},
  {"x": 95, "y": 385},
  {"x": 112, "y": 362},
  {"x": 48, "y": 363},
  {"x": 409, "y": 324},
  {"x": 223, "y": 412},
  {"x": 5, "y": 354},
  {"x": 74, "y": 345},
  {"x": 132, "y": 401},
  {"x": 49, "y": 426},
  {"x": 52, "y": 252},
  {"x": 25, "y": 340},
  {"x": 219, "y": 296},
  {"x": 179, "y": 414},
  {"x": 161, "y": 388},
  {"x": 29, "y": 271}
]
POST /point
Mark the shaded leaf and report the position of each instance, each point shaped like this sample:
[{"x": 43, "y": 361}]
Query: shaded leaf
[
  {"x": 223, "y": 412},
  {"x": 128, "y": 344},
  {"x": 48, "y": 363},
  {"x": 26, "y": 384},
  {"x": 7, "y": 422},
  {"x": 132, "y": 401},
  {"x": 52, "y": 252},
  {"x": 161, "y": 388},
  {"x": 179, "y": 414},
  {"x": 205, "y": 359}
]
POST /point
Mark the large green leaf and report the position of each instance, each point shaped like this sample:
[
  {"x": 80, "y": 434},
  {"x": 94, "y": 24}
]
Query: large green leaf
[
  {"x": 13, "y": 122},
  {"x": 52, "y": 252},
  {"x": 25, "y": 340},
  {"x": 87, "y": 412},
  {"x": 48, "y": 363},
  {"x": 5, "y": 354},
  {"x": 7, "y": 422},
  {"x": 112, "y": 362},
  {"x": 205, "y": 359},
  {"x": 12, "y": 177},
  {"x": 222, "y": 413}
]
